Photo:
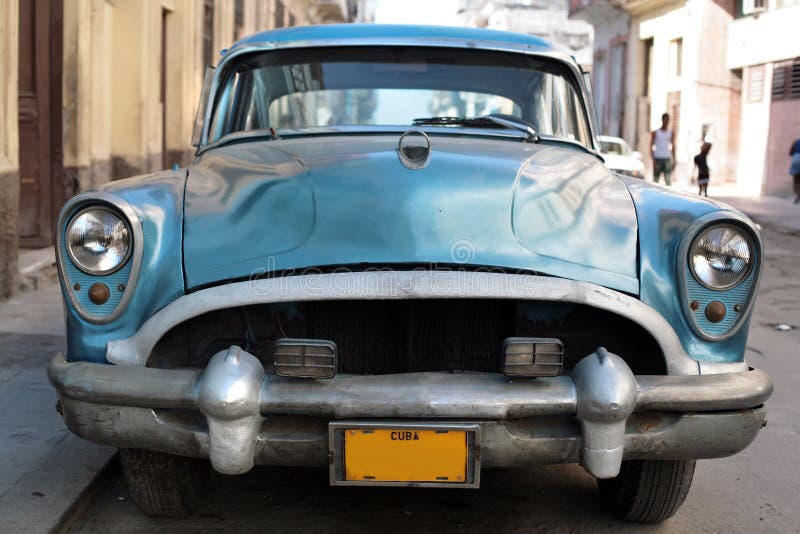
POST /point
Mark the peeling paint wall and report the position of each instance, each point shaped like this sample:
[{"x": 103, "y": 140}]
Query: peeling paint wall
[{"x": 117, "y": 123}]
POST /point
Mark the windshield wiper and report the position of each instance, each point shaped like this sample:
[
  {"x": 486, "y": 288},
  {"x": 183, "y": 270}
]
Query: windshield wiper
[{"x": 484, "y": 121}]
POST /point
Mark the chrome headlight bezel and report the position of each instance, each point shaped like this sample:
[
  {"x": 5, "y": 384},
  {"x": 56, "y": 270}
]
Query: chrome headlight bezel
[
  {"x": 119, "y": 206},
  {"x": 741, "y": 276},
  {"x": 129, "y": 245},
  {"x": 685, "y": 275}
]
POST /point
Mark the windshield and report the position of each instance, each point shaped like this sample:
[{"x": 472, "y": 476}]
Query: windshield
[
  {"x": 619, "y": 148},
  {"x": 391, "y": 86}
]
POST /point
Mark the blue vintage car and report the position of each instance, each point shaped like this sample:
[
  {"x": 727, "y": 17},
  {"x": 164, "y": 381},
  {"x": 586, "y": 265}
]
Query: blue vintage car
[{"x": 398, "y": 256}]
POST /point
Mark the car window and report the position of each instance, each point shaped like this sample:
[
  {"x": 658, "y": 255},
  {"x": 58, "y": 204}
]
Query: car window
[
  {"x": 614, "y": 147},
  {"x": 351, "y": 86}
]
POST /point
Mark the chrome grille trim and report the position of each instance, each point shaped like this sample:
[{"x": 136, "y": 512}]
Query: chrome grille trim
[{"x": 400, "y": 285}]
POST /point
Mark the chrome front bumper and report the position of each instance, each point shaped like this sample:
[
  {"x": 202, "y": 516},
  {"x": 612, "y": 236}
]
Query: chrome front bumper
[{"x": 236, "y": 415}]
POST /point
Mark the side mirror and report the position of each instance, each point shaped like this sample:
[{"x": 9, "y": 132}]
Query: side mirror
[
  {"x": 199, "y": 118},
  {"x": 636, "y": 154}
]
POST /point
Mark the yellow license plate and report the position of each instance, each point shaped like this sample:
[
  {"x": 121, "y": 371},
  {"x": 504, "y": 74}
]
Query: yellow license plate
[{"x": 405, "y": 455}]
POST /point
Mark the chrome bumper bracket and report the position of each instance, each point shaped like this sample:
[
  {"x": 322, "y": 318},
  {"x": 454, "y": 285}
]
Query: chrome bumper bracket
[{"x": 227, "y": 395}]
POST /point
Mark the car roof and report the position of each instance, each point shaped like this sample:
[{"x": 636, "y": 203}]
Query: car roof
[{"x": 328, "y": 34}]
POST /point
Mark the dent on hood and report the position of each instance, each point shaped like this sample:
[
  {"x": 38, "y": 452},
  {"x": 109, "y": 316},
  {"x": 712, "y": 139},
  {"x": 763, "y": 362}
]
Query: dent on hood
[
  {"x": 267, "y": 196},
  {"x": 573, "y": 209}
]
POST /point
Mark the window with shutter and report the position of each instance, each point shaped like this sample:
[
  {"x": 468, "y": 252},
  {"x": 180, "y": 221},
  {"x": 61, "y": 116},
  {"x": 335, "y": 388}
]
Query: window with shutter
[
  {"x": 795, "y": 79},
  {"x": 755, "y": 85},
  {"x": 779, "y": 81},
  {"x": 752, "y": 7},
  {"x": 786, "y": 80}
]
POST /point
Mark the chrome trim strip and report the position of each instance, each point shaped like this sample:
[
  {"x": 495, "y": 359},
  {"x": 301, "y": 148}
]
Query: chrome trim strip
[
  {"x": 694, "y": 230},
  {"x": 400, "y": 285},
  {"x": 714, "y": 368},
  {"x": 408, "y": 41},
  {"x": 108, "y": 201}
]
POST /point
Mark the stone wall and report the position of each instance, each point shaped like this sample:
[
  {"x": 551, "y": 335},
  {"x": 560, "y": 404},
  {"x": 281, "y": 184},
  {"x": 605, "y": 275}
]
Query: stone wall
[
  {"x": 9, "y": 149},
  {"x": 115, "y": 115},
  {"x": 9, "y": 211}
]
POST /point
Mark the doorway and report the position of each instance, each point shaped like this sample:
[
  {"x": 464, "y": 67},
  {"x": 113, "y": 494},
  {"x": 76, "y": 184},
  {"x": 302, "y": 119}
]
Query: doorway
[{"x": 39, "y": 99}]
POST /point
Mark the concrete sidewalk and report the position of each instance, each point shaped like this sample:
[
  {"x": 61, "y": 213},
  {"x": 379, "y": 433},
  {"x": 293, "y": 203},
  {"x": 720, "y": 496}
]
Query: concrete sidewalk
[
  {"x": 44, "y": 469},
  {"x": 776, "y": 212}
]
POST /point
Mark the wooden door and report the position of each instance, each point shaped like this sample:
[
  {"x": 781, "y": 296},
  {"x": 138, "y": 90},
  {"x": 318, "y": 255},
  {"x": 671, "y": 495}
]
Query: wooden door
[{"x": 41, "y": 192}]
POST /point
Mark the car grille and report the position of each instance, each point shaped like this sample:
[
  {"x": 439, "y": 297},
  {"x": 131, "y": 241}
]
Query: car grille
[
  {"x": 378, "y": 337},
  {"x": 404, "y": 336}
]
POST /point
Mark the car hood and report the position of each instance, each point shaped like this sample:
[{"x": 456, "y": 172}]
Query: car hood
[{"x": 264, "y": 206}]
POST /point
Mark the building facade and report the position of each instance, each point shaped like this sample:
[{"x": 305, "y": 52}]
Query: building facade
[
  {"x": 544, "y": 18},
  {"x": 673, "y": 52},
  {"x": 764, "y": 49},
  {"x": 727, "y": 71},
  {"x": 98, "y": 90},
  {"x": 609, "y": 65}
]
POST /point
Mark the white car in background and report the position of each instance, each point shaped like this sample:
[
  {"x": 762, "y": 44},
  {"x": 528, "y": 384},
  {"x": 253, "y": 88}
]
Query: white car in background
[{"x": 620, "y": 158}]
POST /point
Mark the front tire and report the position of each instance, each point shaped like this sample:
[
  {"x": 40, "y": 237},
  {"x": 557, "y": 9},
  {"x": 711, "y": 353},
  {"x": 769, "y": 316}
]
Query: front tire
[
  {"x": 647, "y": 491},
  {"x": 164, "y": 485}
]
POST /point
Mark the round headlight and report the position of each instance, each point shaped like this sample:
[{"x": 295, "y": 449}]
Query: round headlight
[
  {"x": 98, "y": 241},
  {"x": 721, "y": 257}
]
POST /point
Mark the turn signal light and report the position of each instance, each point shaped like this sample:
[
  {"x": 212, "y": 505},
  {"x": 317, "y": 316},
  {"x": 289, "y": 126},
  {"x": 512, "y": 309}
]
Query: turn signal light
[
  {"x": 532, "y": 356},
  {"x": 305, "y": 358}
]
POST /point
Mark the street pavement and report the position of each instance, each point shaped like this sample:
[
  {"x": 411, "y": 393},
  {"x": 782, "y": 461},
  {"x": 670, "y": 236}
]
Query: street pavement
[
  {"x": 777, "y": 212},
  {"x": 44, "y": 469}
]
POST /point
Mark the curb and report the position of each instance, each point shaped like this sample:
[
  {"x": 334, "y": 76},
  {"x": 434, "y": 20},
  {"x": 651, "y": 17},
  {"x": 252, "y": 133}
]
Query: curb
[{"x": 81, "y": 502}]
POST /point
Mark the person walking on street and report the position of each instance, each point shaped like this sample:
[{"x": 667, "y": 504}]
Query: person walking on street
[
  {"x": 662, "y": 150},
  {"x": 794, "y": 169},
  {"x": 701, "y": 164}
]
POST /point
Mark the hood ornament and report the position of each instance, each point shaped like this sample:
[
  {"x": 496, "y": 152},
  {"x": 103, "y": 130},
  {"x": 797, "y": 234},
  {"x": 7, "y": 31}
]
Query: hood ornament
[{"x": 414, "y": 149}]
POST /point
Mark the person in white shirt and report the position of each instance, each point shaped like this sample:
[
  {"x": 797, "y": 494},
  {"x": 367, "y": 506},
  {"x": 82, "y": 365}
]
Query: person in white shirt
[{"x": 662, "y": 150}]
